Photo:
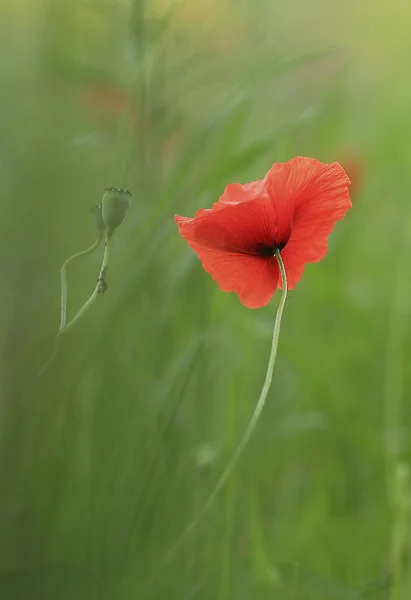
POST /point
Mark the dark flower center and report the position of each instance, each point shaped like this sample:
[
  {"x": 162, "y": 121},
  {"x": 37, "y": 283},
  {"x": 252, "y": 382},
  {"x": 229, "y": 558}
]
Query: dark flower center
[{"x": 264, "y": 250}]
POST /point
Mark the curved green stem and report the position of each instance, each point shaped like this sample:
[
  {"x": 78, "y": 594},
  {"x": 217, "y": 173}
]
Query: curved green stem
[
  {"x": 63, "y": 298},
  {"x": 100, "y": 288},
  {"x": 63, "y": 280},
  {"x": 254, "y": 417}
]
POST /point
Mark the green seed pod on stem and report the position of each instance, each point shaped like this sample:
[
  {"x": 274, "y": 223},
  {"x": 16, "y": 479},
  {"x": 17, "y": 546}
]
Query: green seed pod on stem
[{"x": 115, "y": 204}]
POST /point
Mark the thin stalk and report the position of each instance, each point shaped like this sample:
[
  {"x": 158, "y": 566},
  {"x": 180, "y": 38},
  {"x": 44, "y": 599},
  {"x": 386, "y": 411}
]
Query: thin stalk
[
  {"x": 100, "y": 288},
  {"x": 63, "y": 299},
  {"x": 401, "y": 524},
  {"x": 395, "y": 371},
  {"x": 63, "y": 280},
  {"x": 254, "y": 417}
]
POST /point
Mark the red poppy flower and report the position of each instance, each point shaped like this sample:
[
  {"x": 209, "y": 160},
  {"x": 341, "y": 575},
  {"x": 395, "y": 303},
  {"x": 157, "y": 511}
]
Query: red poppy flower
[{"x": 293, "y": 209}]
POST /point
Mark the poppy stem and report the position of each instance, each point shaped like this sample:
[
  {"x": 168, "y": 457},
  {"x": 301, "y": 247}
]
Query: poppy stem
[
  {"x": 63, "y": 297},
  {"x": 63, "y": 280},
  {"x": 254, "y": 417},
  {"x": 101, "y": 287}
]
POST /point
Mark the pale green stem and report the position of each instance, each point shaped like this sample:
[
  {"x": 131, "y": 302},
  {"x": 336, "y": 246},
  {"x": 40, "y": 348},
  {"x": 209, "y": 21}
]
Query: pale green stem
[
  {"x": 254, "y": 417},
  {"x": 63, "y": 298},
  {"x": 100, "y": 288},
  {"x": 63, "y": 280}
]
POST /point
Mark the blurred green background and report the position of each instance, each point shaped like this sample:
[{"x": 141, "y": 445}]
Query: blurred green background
[{"x": 108, "y": 454}]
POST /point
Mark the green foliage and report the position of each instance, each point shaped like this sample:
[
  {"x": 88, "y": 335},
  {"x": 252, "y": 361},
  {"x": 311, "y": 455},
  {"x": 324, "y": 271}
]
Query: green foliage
[{"x": 107, "y": 456}]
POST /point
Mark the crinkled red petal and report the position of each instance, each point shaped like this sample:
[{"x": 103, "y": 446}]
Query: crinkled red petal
[
  {"x": 227, "y": 242},
  {"x": 235, "y": 193},
  {"x": 309, "y": 198}
]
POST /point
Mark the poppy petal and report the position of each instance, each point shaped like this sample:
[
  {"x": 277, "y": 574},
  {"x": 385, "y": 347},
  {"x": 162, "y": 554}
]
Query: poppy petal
[
  {"x": 242, "y": 228},
  {"x": 235, "y": 193},
  {"x": 228, "y": 241},
  {"x": 253, "y": 279},
  {"x": 323, "y": 202},
  {"x": 299, "y": 182}
]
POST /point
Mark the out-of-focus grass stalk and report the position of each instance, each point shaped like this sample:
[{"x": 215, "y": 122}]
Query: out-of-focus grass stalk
[
  {"x": 228, "y": 509},
  {"x": 399, "y": 538},
  {"x": 397, "y": 474},
  {"x": 394, "y": 374},
  {"x": 140, "y": 33}
]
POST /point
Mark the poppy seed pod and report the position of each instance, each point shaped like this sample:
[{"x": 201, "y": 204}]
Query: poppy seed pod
[
  {"x": 98, "y": 221},
  {"x": 115, "y": 204}
]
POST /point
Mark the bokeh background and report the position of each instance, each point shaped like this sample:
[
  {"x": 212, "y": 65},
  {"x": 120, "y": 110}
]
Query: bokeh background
[{"x": 108, "y": 453}]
